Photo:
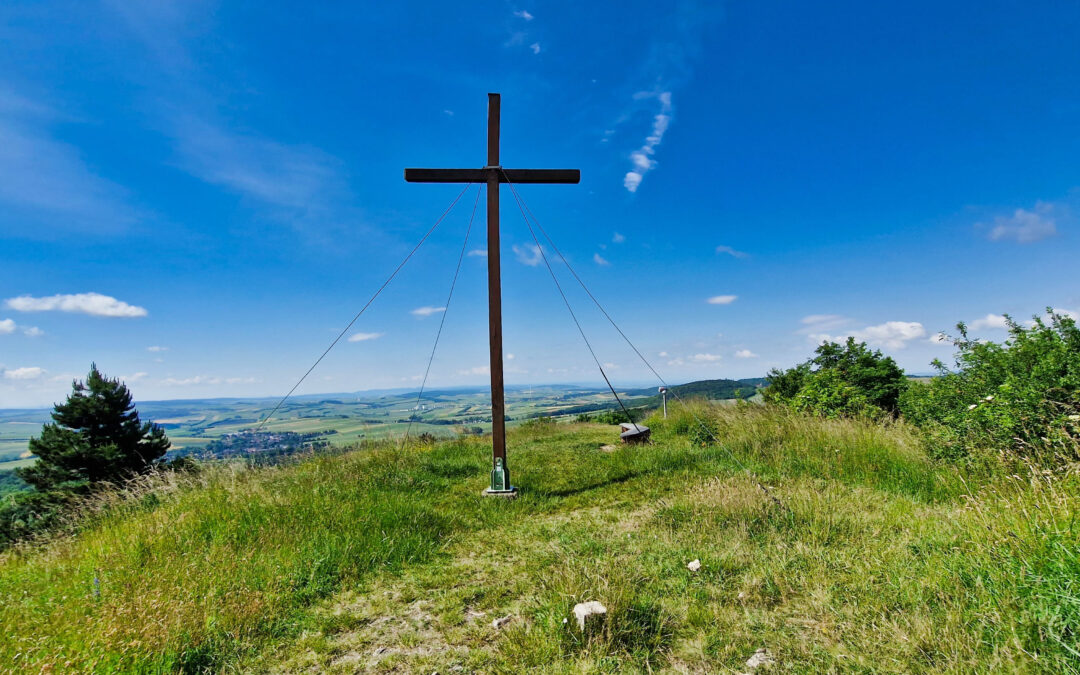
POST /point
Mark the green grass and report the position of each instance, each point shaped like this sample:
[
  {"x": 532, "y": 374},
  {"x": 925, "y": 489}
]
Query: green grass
[{"x": 386, "y": 560}]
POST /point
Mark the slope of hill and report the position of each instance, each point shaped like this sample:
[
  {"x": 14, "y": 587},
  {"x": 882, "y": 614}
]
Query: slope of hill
[
  {"x": 716, "y": 390},
  {"x": 388, "y": 560}
]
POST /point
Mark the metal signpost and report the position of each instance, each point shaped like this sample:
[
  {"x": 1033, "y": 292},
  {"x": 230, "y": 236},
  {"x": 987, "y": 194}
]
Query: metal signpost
[{"x": 493, "y": 174}]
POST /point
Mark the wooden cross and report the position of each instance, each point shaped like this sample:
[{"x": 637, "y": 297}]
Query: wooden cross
[{"x": 493, "y": 174}]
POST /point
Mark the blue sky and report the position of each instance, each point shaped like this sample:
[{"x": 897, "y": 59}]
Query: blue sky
[{"x": 199, "y": 195}]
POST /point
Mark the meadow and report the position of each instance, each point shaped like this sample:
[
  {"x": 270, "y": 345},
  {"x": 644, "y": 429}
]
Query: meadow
[
  {"x": 353, "y": 417},
  {"x": 382, "y": 559}
]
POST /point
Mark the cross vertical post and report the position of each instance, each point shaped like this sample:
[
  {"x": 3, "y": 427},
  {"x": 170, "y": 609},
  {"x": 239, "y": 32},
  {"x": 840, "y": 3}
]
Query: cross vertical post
[
  {"x": 493, "y": 174},
  {"x": 500, "y": 476}
]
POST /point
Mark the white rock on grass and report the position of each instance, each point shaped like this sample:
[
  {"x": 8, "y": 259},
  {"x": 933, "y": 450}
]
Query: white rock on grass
[
  {"x": 501, "y": 621},
  {"x": 761, "y": 657},
  {"x": 588, "y": 613},
  {"x": 694, "y": 565}
]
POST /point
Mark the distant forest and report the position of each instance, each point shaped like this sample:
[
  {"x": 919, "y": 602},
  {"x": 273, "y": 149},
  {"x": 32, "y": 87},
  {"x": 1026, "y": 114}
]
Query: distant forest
[{"x": 709, "y": 389}]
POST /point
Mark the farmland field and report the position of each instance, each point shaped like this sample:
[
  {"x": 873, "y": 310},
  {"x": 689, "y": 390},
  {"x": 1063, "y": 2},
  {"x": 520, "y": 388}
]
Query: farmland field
[{"x": 343, "y": 419}]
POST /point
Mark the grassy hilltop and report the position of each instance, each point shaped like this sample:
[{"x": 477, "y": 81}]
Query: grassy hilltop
[{"x": 389, "y": 560}]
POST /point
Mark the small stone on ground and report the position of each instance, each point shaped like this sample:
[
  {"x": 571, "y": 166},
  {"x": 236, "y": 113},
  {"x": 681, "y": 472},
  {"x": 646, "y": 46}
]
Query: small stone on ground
[
  {"x": 584, "y": 611},
  {"x": 761, "y": 657},
  {"x": 694, "y": 565},
  {"x": 501, "y": 621}
]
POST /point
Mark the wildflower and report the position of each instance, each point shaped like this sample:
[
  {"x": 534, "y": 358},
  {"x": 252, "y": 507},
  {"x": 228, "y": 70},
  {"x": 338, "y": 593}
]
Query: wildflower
[
  {"x": 1074, "y": 418},
  {"x": 989, "y": 398},
  {"x": 973, "y": 406}
]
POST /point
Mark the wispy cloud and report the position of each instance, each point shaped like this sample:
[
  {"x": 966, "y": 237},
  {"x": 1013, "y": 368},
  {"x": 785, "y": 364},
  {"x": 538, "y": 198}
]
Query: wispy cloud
[
  {"x": 1025, "y": 226},
  {"x": 46, "y": 182},
  {"x": 207, "y": 379},
  {"x": 745, "y": 354},
  {"x": 157, "y": 348},
  {"x": 94, "y": 304},
  {"x": 298, "y": 183},
  {"x": 535, "y": 47},
  {"x": 477, "y": 253},
  {"x": 722, "y": 299},
  {"x": 731, "y": 252},
  {"x": 289, "y": 182},
  {"x": 32, "y": 331},
  {"x": 7, "y": 327},
  {"x": 529, "y": 254},
  {"x": 523, "y": 14},
  {"x": 816, "y": 323},
  {"x": 362, "y": 337},
  {"x": 618, "y": 238},
  {"x": 25, "y": 373},
  {"x": 475, "y": 370},
  {"x": 642, "y": 158},
  {"x": 600, "y": 260},
  {"x": 427, "y": 311}
]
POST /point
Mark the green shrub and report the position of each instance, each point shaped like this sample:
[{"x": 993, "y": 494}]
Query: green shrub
[
  {"x": 846, "y": 380},
  {"x": 540, "y": 423},
  {"x": 619, "y": 417},
  {"x": 1022, "y": 395}
]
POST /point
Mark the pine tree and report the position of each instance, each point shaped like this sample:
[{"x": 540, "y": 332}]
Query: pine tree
[{"x": 96, "y": 436}]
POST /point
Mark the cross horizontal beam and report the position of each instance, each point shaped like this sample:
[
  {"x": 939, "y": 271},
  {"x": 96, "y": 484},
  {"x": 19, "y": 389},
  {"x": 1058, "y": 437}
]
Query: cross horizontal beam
[{"x": 481, "y": 175}]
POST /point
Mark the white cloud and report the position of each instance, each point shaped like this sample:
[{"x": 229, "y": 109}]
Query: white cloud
[
  {"x": 529, "y": 254},
  {"x": 427, "y": 311},
  {"x": 33, "y": 331},
  {"x": 600, "y": 260},
  {"x": 722, "y": 299},
  {"x": 477, "y": 252},
  {"x": 135, "y": 377},
  {"x": 1025, "y": 226},
  {"x": 448, "y": 113},
  {"x": 663, "y": 355},
  {"x": 705, "y": 358},
  {"x": 989, "y": 321},
  {"x": 535, "y": 47},
  {"x": 475, "y": 370},
  {"x": 25, "y": 373},
  {"x": 731, "y": 251},
  {"x": 94, "y": 304},
  {"x": 745, "y": 354},
  {"x": 360, "y": 337},
  {"x": 891, "y": 334},
  {"x": 7, "y": 327},
  {"x": 642, "y": 158},
  {"x": 509, "y": 357},
  {"x": 523, "y": 14},
  {"x": 157, "y": 348},
  {"x": 618, "y": 238}
]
